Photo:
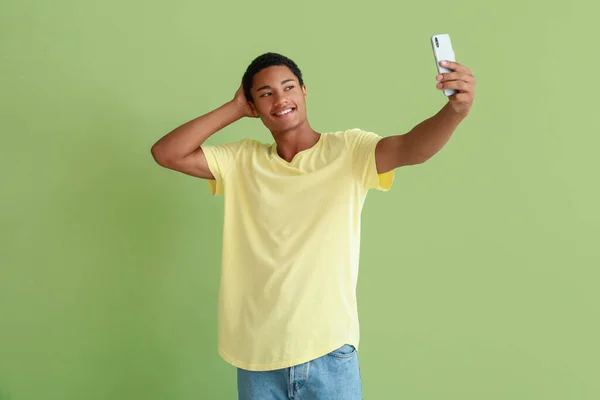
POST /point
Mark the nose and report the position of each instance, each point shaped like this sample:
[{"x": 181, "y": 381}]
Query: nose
[{"x": 279, "y": 98}]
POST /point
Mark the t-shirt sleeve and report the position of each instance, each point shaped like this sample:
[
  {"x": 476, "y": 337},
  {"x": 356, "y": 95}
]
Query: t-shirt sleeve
[
  {"x": 221, "y": 160},
  {"x": 361, "y": 145}
]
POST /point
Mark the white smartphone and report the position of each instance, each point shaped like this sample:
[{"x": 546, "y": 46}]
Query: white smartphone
[{"x": 442, "y": 50}]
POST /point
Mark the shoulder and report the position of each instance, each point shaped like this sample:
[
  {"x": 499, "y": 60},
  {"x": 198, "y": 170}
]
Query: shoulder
[
  {"x": 346, "y": 138},
  {"x": 357, "y": 136},
  {"x": 345, "y": 135},
  {"x": 254, "y": 145},
  {"x": 238, "y": 145}
]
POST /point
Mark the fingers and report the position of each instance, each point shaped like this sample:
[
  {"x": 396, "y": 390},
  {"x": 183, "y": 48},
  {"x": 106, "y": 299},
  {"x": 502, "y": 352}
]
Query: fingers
[
  {"x": 458, "y": 85},
  {"x": 461, "y": 79},
  {"x": 453, "y": 65},
  {"x": 454, "y": 76}
]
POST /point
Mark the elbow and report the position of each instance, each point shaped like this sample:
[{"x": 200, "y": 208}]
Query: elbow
[{"x": 159, "y": 155}]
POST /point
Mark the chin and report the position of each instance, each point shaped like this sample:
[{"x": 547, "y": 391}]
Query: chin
[{"x": 281, "y": 129}]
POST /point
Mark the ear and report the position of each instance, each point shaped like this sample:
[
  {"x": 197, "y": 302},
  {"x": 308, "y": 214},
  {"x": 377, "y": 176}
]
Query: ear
[
  {"x": 304, "y": 90},
  {"x": 253, "y": 109}
]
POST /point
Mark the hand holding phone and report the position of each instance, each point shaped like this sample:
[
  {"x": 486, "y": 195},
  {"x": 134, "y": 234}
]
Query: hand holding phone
[{"x": 443, "y": 51}]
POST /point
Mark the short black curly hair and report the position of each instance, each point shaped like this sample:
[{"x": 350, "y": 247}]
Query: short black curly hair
[{"x": 264, "y": 61}]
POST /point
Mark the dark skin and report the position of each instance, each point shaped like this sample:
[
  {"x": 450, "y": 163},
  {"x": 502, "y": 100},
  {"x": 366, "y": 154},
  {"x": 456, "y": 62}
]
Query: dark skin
[
  {"x": 461, "y": 78},
  {"x": 428, "y": 137},
  {"x": 276, "y": 88}
]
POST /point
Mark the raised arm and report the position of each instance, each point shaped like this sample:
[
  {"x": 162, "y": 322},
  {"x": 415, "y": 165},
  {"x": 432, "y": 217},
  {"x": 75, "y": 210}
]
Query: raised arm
[
  {"x": 180, "y": 149},
  {"x": 429, "y": 136}
]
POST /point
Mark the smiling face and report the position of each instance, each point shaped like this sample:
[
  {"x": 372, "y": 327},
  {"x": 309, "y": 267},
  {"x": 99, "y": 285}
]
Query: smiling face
[{"x": 278, "y": 99}]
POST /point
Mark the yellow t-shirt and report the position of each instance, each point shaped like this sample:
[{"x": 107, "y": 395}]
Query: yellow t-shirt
[{"x": 291, "y": 240}]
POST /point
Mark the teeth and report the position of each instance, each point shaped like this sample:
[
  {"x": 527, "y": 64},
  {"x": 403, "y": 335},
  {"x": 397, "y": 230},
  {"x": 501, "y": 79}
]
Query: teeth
[{"x": 284, "y": 112}]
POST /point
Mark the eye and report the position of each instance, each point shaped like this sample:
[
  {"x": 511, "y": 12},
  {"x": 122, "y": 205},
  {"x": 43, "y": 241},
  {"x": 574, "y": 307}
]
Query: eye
[
  {"x": 264, "y": 94},
  {"x": 290, "y": 87}
]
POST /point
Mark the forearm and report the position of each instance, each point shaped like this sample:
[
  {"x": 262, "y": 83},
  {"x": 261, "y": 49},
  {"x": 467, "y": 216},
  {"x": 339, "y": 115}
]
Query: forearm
[
  {"x": 188, "y": 137},
  {"x": 429, "y": 136}
]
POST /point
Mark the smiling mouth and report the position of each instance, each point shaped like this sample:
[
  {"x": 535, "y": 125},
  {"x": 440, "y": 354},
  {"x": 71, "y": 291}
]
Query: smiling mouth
[{"x": 285, "y": 113}]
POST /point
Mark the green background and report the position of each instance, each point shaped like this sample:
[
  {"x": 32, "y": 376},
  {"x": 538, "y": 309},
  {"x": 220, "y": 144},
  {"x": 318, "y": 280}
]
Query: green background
[{"x": 479, "y": 269}]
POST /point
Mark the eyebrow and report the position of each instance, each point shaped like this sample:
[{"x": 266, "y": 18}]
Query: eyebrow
[{"x": 269, "y": 87}]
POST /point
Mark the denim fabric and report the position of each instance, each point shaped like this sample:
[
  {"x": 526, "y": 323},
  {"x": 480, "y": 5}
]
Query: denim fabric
[{"x": 334, "y": 376}]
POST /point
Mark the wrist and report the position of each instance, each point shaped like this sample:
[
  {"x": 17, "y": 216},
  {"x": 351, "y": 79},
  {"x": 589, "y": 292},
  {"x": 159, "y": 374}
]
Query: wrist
[
  {"x": 450, "y": 112},
  {"x": 235, "y": 109}
]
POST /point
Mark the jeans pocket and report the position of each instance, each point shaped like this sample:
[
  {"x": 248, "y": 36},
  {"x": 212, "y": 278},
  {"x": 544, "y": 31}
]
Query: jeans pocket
[{"x": 346, "y": 351}]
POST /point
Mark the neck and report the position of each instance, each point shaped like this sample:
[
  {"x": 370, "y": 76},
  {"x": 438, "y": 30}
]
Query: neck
[{"x": 295, "y": 140}]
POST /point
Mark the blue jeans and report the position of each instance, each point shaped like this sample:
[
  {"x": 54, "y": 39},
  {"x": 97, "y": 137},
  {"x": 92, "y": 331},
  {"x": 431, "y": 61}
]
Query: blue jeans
[{"x": 333, "y": 376}]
